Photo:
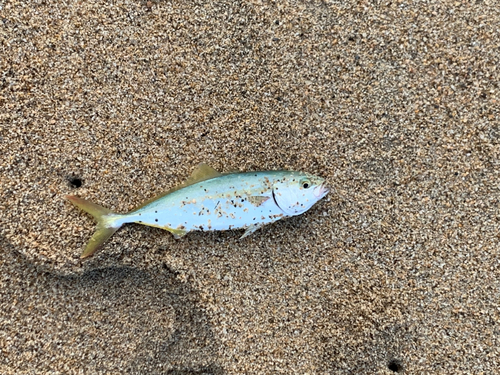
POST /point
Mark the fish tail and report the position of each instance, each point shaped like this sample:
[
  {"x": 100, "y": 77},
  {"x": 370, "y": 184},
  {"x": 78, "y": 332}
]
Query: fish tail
[{"x": 107, "y": 223}]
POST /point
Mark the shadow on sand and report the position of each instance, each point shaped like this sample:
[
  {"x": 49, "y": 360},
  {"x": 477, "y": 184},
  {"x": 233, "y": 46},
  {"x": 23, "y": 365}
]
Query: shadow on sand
[{"x": 104, "y": 320}]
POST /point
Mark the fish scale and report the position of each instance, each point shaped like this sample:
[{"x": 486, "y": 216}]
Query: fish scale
[{"x": 210, "y": 200}]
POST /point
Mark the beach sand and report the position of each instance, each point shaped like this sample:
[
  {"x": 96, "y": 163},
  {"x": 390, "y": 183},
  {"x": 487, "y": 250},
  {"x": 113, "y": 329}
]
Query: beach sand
[{"x": 396, "y": 104}]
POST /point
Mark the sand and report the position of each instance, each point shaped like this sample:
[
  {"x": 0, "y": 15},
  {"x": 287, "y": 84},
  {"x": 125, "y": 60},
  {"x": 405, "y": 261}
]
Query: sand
[{"x": 396, "y": 104}]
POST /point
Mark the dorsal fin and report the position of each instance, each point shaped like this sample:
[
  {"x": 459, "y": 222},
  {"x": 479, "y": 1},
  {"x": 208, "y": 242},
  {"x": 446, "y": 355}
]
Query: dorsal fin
[{"x": 201, "y": 173}]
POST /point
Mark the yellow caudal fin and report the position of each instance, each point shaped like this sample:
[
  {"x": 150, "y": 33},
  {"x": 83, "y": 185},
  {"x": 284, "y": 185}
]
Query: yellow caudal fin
[{"x": 105, "y": 227}]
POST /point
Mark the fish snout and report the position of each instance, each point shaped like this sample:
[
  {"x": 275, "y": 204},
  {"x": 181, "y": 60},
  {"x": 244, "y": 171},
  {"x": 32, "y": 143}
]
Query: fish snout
[{"x": 321, "y": 190}]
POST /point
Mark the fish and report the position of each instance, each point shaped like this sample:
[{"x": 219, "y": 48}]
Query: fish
[{"x": 210, "y": 200}]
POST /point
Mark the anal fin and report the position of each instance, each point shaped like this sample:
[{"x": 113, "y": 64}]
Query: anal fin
[{"x": 178, "y": 233}]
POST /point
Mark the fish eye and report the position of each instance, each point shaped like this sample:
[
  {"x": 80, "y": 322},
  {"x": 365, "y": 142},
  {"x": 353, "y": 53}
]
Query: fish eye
[{"x": 305, "y": 183}]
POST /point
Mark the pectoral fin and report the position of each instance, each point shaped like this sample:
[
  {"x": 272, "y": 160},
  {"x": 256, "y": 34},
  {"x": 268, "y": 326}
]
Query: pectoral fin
[
  {"x": 251, "y": 228},
  {"x": 257, "y": 200}
]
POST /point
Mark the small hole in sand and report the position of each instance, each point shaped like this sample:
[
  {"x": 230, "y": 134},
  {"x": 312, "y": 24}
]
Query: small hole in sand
[
  {"x": 395, "y": 365},
  {"x": 75, "y": 182}
]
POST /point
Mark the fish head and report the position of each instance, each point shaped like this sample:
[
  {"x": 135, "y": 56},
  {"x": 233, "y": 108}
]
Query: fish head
[{"x": 297, "y": 192}]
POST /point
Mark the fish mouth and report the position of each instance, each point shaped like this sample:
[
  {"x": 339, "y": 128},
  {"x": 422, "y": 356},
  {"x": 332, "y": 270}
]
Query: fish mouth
[{"x": 321, "y": 190}]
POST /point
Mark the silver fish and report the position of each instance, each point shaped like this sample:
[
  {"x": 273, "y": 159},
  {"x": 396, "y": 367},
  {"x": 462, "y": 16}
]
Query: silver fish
[{"x": 210, "y": 200}]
